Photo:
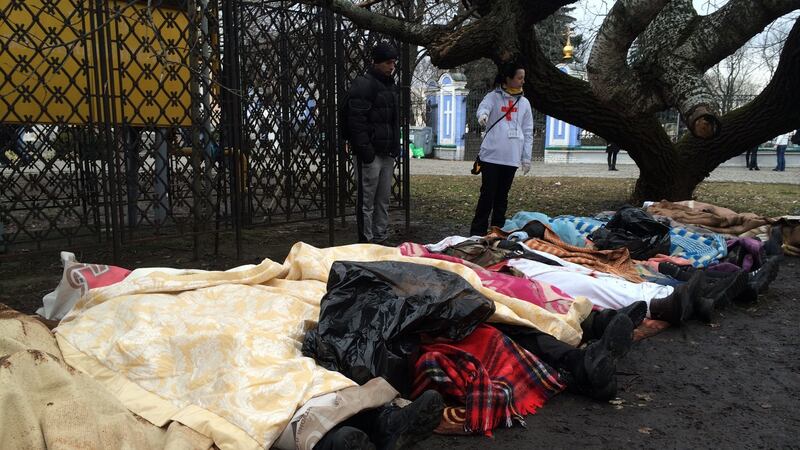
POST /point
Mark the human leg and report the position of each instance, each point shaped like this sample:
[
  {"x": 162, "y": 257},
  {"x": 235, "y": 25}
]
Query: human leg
[{"x": 489, "y": 180}]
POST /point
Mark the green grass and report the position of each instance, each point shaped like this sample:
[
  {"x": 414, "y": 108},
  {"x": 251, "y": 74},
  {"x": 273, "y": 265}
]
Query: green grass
[{"x": 438, "y": 198}]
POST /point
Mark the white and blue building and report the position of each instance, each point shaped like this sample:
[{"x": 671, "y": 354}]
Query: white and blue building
[{"x": 447, "y": 102}]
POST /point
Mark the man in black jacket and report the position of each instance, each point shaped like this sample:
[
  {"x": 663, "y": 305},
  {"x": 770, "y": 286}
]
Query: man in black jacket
[{"x": 374, "y": 129}]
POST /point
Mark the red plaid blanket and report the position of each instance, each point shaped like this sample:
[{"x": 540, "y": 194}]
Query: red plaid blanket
[{"x": 495, "y": 379}]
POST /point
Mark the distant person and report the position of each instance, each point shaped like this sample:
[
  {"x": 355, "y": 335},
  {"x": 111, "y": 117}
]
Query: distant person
[
  {"x": 506, "y": 146},
  {"x": 612, "y": 149},
  {"x": 373, "y": 127},
  {"x": 781, "y": 142},
  {"x": 11, "y": 141},
  {"x": 751, "y": 158}
]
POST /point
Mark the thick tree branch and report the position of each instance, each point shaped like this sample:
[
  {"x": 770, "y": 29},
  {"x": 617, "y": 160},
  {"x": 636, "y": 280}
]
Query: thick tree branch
[
  {"x": 412, "y": 33},
  {"x": 774, "y": 111},
  {"x": 607, "y": 68},
  {"x": 368, "y": 3},
  {"x": 494, "y": 35},
  {"x": 680, "y": 83},
  {"x": 720, "y": 34}
]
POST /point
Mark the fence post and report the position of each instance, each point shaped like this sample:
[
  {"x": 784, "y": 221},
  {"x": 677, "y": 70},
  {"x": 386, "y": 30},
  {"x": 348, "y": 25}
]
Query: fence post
[
  {"x": 161, "y": 183},
  {"x": 331, "y": 135},
  {"x": 232, "y": 115},
  {"x": 406, "y": 81},
  {"x": 98, "y": 20}
]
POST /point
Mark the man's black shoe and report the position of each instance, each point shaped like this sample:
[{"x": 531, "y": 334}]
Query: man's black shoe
[
  {"x": 594, "y": 373},
  {"x": 636, "y": 311},
  {"x": 723, "y": 288},
  {"x": 400, "y": 428}
]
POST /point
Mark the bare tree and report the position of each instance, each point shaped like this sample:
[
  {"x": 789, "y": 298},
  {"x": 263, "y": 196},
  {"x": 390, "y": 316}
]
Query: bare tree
[
  {"x": 731, "y": 81},
  {"x": 769, "y": 43},
  {"x": 621, "y": 98}
]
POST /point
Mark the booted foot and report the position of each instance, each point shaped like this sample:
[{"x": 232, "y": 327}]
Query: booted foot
[
  {"x": 618, "y": 336},
  {"x": 345, "y": 438},
  {"x": 761, "y": 278},
  {"x": 676, "y": 308},
  {"x": 773, "y": 246},
  {"x": 636, "y": 311},
  {"x": 594, "y": 372},
  {"x": 400, "y": 428},
  {"x": 703, "y": 308},
  {"x": 723, "y": 288},
  {"x": 682, "y": 273}
]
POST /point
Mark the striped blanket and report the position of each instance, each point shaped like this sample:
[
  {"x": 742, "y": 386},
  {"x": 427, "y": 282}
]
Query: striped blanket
[{"x": 700, "y": 249}]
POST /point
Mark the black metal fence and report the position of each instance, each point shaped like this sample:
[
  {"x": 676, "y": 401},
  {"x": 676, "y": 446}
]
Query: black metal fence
[{"x": 129, "y": 120}]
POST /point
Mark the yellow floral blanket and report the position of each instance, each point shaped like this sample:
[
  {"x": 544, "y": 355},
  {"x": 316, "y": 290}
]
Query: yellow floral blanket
[{"x": 220, "y": 351}]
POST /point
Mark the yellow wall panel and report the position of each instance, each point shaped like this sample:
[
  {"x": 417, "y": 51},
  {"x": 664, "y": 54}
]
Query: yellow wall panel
[{"x": 48, "y": 70}]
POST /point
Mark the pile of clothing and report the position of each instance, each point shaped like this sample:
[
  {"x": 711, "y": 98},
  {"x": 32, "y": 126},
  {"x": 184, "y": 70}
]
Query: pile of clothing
[{"x": 365, "y": 346}]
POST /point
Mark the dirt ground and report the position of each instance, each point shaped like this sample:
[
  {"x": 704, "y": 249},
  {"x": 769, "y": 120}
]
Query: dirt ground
[{"x": 732, "y": 384}]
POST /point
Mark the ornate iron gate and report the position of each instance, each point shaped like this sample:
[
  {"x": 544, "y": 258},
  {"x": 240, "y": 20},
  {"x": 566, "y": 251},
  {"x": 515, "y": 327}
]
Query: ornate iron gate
[{"x": 130, "y": 120}]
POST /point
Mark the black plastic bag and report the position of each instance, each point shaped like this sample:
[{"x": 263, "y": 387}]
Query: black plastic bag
[
  {"x": 374, "y": 313},
  {"x": 636, "y": 230}
]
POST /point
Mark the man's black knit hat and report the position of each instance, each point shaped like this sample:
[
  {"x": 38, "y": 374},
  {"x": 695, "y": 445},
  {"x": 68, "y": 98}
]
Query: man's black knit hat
[{"x": 383, "y": 51}]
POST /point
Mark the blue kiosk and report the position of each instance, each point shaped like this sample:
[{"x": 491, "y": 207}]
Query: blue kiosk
[{"x": 447, "y": 106}]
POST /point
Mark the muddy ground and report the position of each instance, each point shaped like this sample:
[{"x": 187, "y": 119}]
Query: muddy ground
[{"x": 732, "y": 384}]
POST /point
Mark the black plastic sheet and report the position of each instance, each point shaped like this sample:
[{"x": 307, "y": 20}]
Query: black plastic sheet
[
  {"x": 375, "y": 313},
  {"x": 635, "y": 230}
]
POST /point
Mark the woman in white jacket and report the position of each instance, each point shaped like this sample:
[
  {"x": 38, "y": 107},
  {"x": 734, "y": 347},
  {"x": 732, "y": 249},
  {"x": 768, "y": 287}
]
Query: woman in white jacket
[{"x": 506, "y": 146}]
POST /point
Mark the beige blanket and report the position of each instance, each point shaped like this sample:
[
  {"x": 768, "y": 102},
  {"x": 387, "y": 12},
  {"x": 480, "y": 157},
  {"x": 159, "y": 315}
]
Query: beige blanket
[
  {"x": 48, "y": 405},
  {"x": 220, "y": 351},
  {"x": 715, "y": 218}
]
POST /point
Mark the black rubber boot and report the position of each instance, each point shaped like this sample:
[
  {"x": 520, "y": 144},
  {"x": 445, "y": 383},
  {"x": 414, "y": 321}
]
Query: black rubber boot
[{"x": 400, "y": 428}]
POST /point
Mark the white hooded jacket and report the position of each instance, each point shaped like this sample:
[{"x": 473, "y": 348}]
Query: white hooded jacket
[
  {"x": 510, "y": 141},
  {"x": 780, "y": 140}
]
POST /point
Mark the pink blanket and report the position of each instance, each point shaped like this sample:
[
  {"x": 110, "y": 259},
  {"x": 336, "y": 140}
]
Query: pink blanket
[{"x": 544, "y": 295}]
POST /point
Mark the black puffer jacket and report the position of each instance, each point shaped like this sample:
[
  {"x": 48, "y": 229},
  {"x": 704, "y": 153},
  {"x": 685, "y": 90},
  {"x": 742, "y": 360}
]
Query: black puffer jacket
[{"x": 373, "y": 116}]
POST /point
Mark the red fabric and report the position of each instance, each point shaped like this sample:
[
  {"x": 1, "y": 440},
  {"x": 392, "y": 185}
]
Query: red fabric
[
  {"x": 496, "y": 380},
  {"x": 96, "y": 275},
  {"x": 541, "y": 294}
]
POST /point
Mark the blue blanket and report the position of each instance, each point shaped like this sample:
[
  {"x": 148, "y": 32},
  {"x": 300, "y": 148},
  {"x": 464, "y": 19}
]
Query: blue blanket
[{"x": 701, "y": 249}]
